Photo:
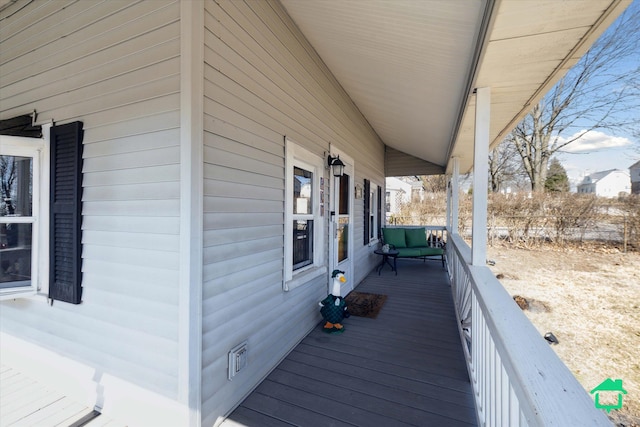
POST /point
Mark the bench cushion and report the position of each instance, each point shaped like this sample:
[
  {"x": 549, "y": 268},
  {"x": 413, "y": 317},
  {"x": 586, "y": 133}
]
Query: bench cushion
[
  {"x": 416, "y": 237},
  {"x": 395, "y": 237},
  {"x": 431, "y": 251},
  {"x": 409, "y": 252}
]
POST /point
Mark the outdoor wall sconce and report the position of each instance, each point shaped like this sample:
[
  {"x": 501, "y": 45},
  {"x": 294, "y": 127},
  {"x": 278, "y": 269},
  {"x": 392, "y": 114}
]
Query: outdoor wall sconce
[{"x": 336, "y": 165}]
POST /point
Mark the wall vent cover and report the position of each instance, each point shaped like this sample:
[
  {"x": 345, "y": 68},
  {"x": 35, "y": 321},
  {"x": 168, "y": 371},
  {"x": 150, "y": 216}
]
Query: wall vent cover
[{"x": 237, "y": 359}]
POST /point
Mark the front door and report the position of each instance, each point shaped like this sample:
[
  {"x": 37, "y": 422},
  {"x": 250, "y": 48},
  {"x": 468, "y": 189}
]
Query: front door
[{"x": 342, "y": 227}]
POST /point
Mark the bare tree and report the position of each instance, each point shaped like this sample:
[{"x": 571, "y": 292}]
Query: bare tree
[
  {"x": 505, "y": 169},
  {"x": 597, "y": 93},
  {"x": 433, "y": 183},
  {"x": 7, "y": 181}
]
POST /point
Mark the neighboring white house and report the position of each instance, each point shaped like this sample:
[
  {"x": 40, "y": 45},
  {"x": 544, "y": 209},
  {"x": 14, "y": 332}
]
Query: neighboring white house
[
  {"x": 610, "y": 183},
  {"x": 634, "y": 173},
  {"x": 397, "y": 193}
]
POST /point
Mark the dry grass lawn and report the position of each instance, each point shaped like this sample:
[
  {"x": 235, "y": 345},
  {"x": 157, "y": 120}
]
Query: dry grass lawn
[{"x": 589, "y": 298}]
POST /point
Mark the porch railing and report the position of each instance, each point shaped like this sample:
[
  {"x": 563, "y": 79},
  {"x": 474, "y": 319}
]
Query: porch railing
[{"x": 517, "y": 378}]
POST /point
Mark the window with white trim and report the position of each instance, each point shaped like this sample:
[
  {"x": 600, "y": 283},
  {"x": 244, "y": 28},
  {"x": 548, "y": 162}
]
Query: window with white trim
[
  {"x": 304, "y": 239},
  {"x": 41, "y": 210},
  {"x": 23, "y": 215},
  {"x": 372, "y": 212}
]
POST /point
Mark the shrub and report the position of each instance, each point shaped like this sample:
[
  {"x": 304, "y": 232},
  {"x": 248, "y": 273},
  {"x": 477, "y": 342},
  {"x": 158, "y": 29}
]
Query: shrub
[{"x": 531, "y": 219}]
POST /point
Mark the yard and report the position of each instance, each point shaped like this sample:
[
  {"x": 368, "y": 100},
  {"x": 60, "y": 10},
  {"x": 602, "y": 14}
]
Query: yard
[{"x": 589, "y": 297}]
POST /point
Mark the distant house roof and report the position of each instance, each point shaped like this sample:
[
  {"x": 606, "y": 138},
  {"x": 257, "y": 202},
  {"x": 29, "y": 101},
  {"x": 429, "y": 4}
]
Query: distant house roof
[{"x": 635, "y": 165}]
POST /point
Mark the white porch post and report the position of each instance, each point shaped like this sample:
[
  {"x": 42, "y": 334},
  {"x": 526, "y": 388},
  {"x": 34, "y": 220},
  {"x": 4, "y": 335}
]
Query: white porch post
[
  {"x": 449, "y": 197},
  {"x": 191, "y": 209},
  {"x": 480, "y": 177},
  {"x": 455, "y": 195}
]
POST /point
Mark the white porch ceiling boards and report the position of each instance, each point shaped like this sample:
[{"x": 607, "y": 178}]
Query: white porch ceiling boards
[
  {"x": 531, "y": 45},
  {"x": 403, "y": 62},
  {"x": 406, "y": 63}
]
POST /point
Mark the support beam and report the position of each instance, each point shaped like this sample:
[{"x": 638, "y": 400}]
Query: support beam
[{"x": 480, "y": 177}]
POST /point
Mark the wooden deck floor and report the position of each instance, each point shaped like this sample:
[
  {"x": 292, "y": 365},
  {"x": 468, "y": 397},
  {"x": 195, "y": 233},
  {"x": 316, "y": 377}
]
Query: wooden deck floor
[
  {"x": 403, "y": 368},
  {"x": 26, "y": 402}
]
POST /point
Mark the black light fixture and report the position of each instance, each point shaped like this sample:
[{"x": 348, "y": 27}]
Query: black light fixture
[{"x": 336, "y": 165}]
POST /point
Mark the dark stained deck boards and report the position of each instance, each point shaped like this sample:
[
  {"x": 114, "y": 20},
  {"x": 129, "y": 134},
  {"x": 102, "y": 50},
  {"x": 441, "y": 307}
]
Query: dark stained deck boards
[{"x": 404, "y": 368}]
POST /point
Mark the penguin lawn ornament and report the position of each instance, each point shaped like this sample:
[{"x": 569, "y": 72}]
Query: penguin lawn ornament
[{"x": 333, "y": 308}]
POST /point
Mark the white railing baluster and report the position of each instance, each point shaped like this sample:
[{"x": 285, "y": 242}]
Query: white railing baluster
[
  {"x": 517, "y": 379},
  {"x": 505, "y": 396}
]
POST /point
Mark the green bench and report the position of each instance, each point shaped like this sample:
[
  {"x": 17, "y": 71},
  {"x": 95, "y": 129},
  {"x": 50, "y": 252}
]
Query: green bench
[{"x": 413, "y": 243}]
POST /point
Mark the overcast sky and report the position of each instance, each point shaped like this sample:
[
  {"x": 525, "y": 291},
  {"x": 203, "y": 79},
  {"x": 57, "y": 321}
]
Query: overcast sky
[{"x": 597, "y": 151}]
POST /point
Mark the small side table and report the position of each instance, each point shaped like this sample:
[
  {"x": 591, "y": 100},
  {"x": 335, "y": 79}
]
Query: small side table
[{"x": 385, "y": 259}]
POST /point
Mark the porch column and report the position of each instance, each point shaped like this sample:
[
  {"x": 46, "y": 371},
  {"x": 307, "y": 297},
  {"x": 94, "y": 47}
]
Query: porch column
[
  {"x": 449, "y": 197},
  {"x": 455, "y": 195},
  {"x": 480, "y": 177},
  {"x": 191, "y": 209}
]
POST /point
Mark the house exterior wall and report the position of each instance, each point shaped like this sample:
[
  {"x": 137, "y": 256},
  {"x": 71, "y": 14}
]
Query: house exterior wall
[
  {"x": 586, "y": 188},
  {"x": 114, "y": 66},
  {"x": 263, "y": 81},
  {"x": 398, "y": 192},
  {"x": 634, "y": 172},
  {"x": 612, "y": 184}
]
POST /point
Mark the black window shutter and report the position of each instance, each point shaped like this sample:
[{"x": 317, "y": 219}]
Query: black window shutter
[
  {"x": 65, "y": 213},
  {"x": 367, "y": 220},
  {"x": 380, "y": 224}
]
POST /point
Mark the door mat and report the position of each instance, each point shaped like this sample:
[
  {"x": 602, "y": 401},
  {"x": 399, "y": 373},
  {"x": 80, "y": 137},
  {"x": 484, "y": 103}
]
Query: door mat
[{"x": 363, "y": 304}]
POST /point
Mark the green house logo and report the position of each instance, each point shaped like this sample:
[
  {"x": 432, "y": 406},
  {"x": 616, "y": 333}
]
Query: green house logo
[{"x": 609, "y": 388}]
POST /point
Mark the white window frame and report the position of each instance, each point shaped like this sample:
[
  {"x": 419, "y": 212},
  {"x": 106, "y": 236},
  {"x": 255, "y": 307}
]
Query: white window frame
[
  {"x": 300, "y": 157},
  {"x": 373, "y": 213},
  {"x": 38, "y": 150}
]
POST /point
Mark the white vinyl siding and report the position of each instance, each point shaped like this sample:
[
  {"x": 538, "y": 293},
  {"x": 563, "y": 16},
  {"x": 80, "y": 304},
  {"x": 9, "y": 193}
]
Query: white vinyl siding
[
  {"x": 113, "y": 65},
  {"x": 263, "y": 82}
]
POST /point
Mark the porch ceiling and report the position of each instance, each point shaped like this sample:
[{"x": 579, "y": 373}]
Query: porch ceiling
[{"x": 411, "y": 65}]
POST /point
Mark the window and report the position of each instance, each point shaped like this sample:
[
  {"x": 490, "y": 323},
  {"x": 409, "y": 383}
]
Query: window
[
  {"x": 302, "y": 217},
  {"x": 343, "y": 218},
  {"x": 22, "y": 215},
  {"x": 304, "y": 241},
  {"x": 372, "y": 212},
  {"x": 40, "y": 211}
]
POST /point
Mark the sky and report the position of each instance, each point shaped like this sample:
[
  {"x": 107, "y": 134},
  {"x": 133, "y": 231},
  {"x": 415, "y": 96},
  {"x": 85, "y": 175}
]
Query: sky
[
  {"x": 598, "y": 151},
  {"x": 603, "y": 150}
]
